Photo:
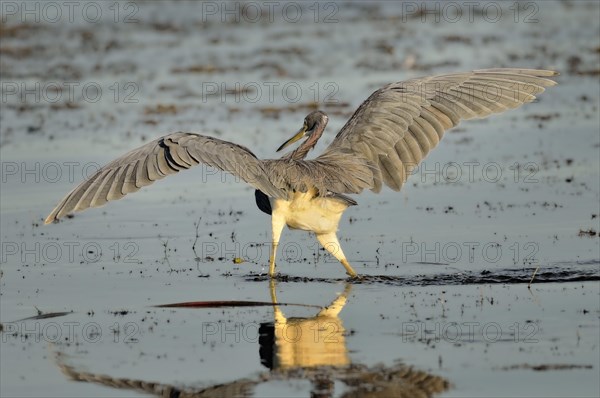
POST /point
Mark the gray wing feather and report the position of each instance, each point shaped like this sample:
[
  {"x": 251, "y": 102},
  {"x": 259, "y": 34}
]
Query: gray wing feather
[
  {"x": 158, "y": 159},
  {"x": 399, "y": 124},
  {"x": 323, "y": 174}
]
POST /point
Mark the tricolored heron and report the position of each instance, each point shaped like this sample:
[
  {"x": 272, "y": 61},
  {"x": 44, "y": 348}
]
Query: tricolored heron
[{"x": 388, "y": 135}]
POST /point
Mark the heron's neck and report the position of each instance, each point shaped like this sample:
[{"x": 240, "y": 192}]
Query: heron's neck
[
  {"x": 300, "y": 153},
  {"x": 303, "y": 150}
]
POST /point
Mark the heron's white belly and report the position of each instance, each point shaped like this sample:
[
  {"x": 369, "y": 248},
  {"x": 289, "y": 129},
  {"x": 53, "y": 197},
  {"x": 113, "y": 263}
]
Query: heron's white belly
[{"x": 309, "y": 213}]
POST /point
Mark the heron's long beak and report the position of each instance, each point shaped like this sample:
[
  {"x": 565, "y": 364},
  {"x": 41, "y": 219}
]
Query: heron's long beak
[{"x": 301, "y": 133}]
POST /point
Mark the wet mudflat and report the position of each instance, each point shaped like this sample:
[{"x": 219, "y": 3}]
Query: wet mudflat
[{"x": 444, "y": 307}]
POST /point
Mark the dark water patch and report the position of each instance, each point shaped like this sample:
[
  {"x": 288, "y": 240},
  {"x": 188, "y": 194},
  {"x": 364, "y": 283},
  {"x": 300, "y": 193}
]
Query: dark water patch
[
  {"x": 572, "y": 272},
  {"x": 547, "y": 366},
  {"x": 229, "y": 303}
]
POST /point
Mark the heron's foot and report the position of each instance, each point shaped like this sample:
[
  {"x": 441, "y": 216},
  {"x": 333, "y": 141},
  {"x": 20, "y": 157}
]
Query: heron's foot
[
  {"x": 349, "y": 270},
  {"x": 356, "y": 277}
]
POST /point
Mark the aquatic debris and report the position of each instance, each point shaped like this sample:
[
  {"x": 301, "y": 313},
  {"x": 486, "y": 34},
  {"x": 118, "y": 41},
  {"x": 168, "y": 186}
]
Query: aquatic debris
[
  {"x": 48, "y": 315},
  {"x": 589, "y": 233}
]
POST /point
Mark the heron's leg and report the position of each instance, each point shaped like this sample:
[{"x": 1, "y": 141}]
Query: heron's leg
[
  {"x": 277, "y": 224},
  {"x": 331, "y": 244}
]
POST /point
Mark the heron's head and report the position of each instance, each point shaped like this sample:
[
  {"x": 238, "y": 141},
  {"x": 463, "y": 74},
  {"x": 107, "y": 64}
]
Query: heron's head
[{"x": 312, "y": 129}]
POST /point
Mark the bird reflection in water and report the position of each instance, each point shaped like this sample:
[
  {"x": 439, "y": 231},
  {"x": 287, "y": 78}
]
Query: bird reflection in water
[
  {"x": 311, "y": 349},
  {"x": 305, "y": 342}
]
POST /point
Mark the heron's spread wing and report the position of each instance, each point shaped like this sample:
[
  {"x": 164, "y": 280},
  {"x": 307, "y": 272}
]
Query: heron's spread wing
[
  {"x": 159, "y": 158},
  {"x": 397, "y": 126}
]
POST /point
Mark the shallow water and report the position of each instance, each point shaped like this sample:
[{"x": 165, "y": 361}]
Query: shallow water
[{"x": 445, "y": 306}]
